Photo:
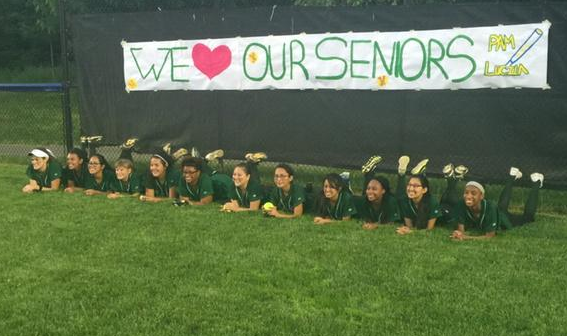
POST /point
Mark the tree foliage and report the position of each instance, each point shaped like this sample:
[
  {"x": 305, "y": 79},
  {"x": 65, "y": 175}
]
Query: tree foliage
[{"x": 30, "y": 29}]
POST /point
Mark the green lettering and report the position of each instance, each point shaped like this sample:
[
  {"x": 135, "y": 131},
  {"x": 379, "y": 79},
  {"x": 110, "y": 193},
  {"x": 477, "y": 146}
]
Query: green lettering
[
  {"x": 270, "y": 65},
  {"x": 435, "y": 60},
  {"x": 257, "y": 79},
  {"x": 292, "y": 62},
  {"x": 331, "y": 58},
  {"x": 465, "y": 56},
  {"x": 398, "y": 59},
  {"x": 152, "y": 68},
  {"x": 356, "y": 61},
  {"x": 423, "y": 61},
  {"x": 173, "y": 66},
  {"x": 378, "y": 50}
]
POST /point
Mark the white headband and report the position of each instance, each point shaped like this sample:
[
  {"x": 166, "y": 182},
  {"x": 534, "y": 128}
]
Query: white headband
[
  {"x": 476, "y": 185},
  {"x": 162, "y": 159}
]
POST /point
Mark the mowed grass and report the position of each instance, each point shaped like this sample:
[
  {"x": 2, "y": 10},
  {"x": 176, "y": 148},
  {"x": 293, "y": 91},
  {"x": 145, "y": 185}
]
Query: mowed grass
[
  {"x": 34, "y": 118},
  {"x": 77, "y": 265}
]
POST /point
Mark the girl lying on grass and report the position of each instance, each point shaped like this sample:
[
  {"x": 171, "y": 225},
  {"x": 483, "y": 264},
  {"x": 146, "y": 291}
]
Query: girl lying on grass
[
  {"x": 76, "y": 172},
  {"x": 127, "y": 182},
  {"x": 287, "y": 197},
  {"x": 475, "y": 213},
  {"x": 43, "y": 171},
  {"x": 100, "y": 176},
  {"x": 412, "y": 201},
  {"x": 246, "y": 191},
  {"x": 196, "y": 187},
  {"x": 335, "y": 202},
  {"x": 377, "y": 205},
  {"x": 161, "y": 180},
  {"x": 419, "y": 210}
]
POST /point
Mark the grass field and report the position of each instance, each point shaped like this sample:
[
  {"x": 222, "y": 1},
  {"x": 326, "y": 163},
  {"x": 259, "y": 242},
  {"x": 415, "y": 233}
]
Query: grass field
[
  {"x": 74, "y": 265},
  {"x": 34, "y": 118}
]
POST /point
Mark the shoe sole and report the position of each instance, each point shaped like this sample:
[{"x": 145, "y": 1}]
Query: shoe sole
[
  {"x": 403, "y": 163},
  {"x": 448, "y": 170},
  {"x": 420, "y": 167},
  {"x": 94, "y": 138},
  {"x": 217, "y": 154},
  {"x": 461, "y": 171},
  {"x": 179, "y": 153},
  {"x": 129, "y": 143},
  {"x": 256, "y": 157},
  {"x": 372, "y": 162}
]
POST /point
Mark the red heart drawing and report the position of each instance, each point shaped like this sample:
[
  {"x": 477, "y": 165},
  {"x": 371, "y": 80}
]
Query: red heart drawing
[{"x": 211, "y": 63}]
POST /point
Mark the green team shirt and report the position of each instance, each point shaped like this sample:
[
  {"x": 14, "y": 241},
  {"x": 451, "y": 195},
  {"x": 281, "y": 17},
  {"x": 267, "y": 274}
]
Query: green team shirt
[
  {"x": 107, "y": 177},
  {"x": 253, "y": 193},
  {"x": 343, "y": 208},
  {"x": 409, "y": 210},
  {"x": 388, "y": 212},
  {"x": 287, "y": 203},
  {"x": 79, "y": 178},
  {"x": 221, "y": 185},
  {"x": 490, "y": 219},
  {"x": 202, "y": 189},
  {"x": 132, "y": 186},
  {"x": 161, "y": 189},
  {"x": 44, "y": 179}
]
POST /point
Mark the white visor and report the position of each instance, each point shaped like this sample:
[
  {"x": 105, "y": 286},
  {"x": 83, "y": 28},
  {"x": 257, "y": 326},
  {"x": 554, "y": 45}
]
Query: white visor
[{"x": 38, "y": 153}]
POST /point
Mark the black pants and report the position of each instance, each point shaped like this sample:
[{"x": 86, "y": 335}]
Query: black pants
[{"x": 530, "y": 206}]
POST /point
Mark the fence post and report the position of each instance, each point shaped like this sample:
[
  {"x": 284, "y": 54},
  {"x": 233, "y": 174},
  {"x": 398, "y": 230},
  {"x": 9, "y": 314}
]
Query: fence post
[{"x": 65, "y": 98}]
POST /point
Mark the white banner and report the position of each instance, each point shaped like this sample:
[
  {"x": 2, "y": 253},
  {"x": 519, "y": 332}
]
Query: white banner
[{"x": 458, "y": 58}]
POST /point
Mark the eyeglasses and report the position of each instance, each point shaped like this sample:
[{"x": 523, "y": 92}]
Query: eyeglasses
[
  {"x": 414, "y": 186},
  {"x": 190, "y": 172},
  {"x": 94, "y": 163},
  {"x": 280, "y": 177}
]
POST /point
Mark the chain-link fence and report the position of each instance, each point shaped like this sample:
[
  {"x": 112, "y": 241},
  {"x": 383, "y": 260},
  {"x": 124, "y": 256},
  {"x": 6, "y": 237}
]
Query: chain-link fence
[
  {"x": 36, "y": 118},
  {"x": 31, "y": 115}
]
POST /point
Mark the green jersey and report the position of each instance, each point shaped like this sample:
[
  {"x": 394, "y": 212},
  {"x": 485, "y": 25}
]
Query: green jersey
[
  {"x": 161, "y": 189},
  {"x": 44, "y": 179},
  {"x": 108, "y": 177},
  {"x": 132, "y": 186},
  {"x": 202, "y": 189},
  {"x": 387, "y": 212},
  {"x": 79, "y": 178},
  {"x": 344, "y": 207},
  {"x": 287, "y": 203},
  {"x": 409, "y": 210},
  {"x": 222, "y": 185},
  {"x": 252, "y": 193},
  {"x": 489, "y": 219}
]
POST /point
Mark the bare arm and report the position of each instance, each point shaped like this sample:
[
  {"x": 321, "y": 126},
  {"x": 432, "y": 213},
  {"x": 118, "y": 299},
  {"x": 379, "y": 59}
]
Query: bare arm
[
  {"x": 322, "y": 220},
  {"x": 205, "y": 200},
  {"x": 114, "y": 195},
  {"x": 297, "y": 212},
  {"x": 233, "y": 206},
  {"x": 92, "y": 192},
  {"x": 150, "y": 197},
  {"x": 431, "y": 223},
  {"x": 406, "y": 228},
  {"x": 460, "y": 234},
  {"x": 31, "y": 187},
  {"x": 34, "y": 186},
  {"x": 326, "y": 220},
  {"x": 72, "y": 188}
]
